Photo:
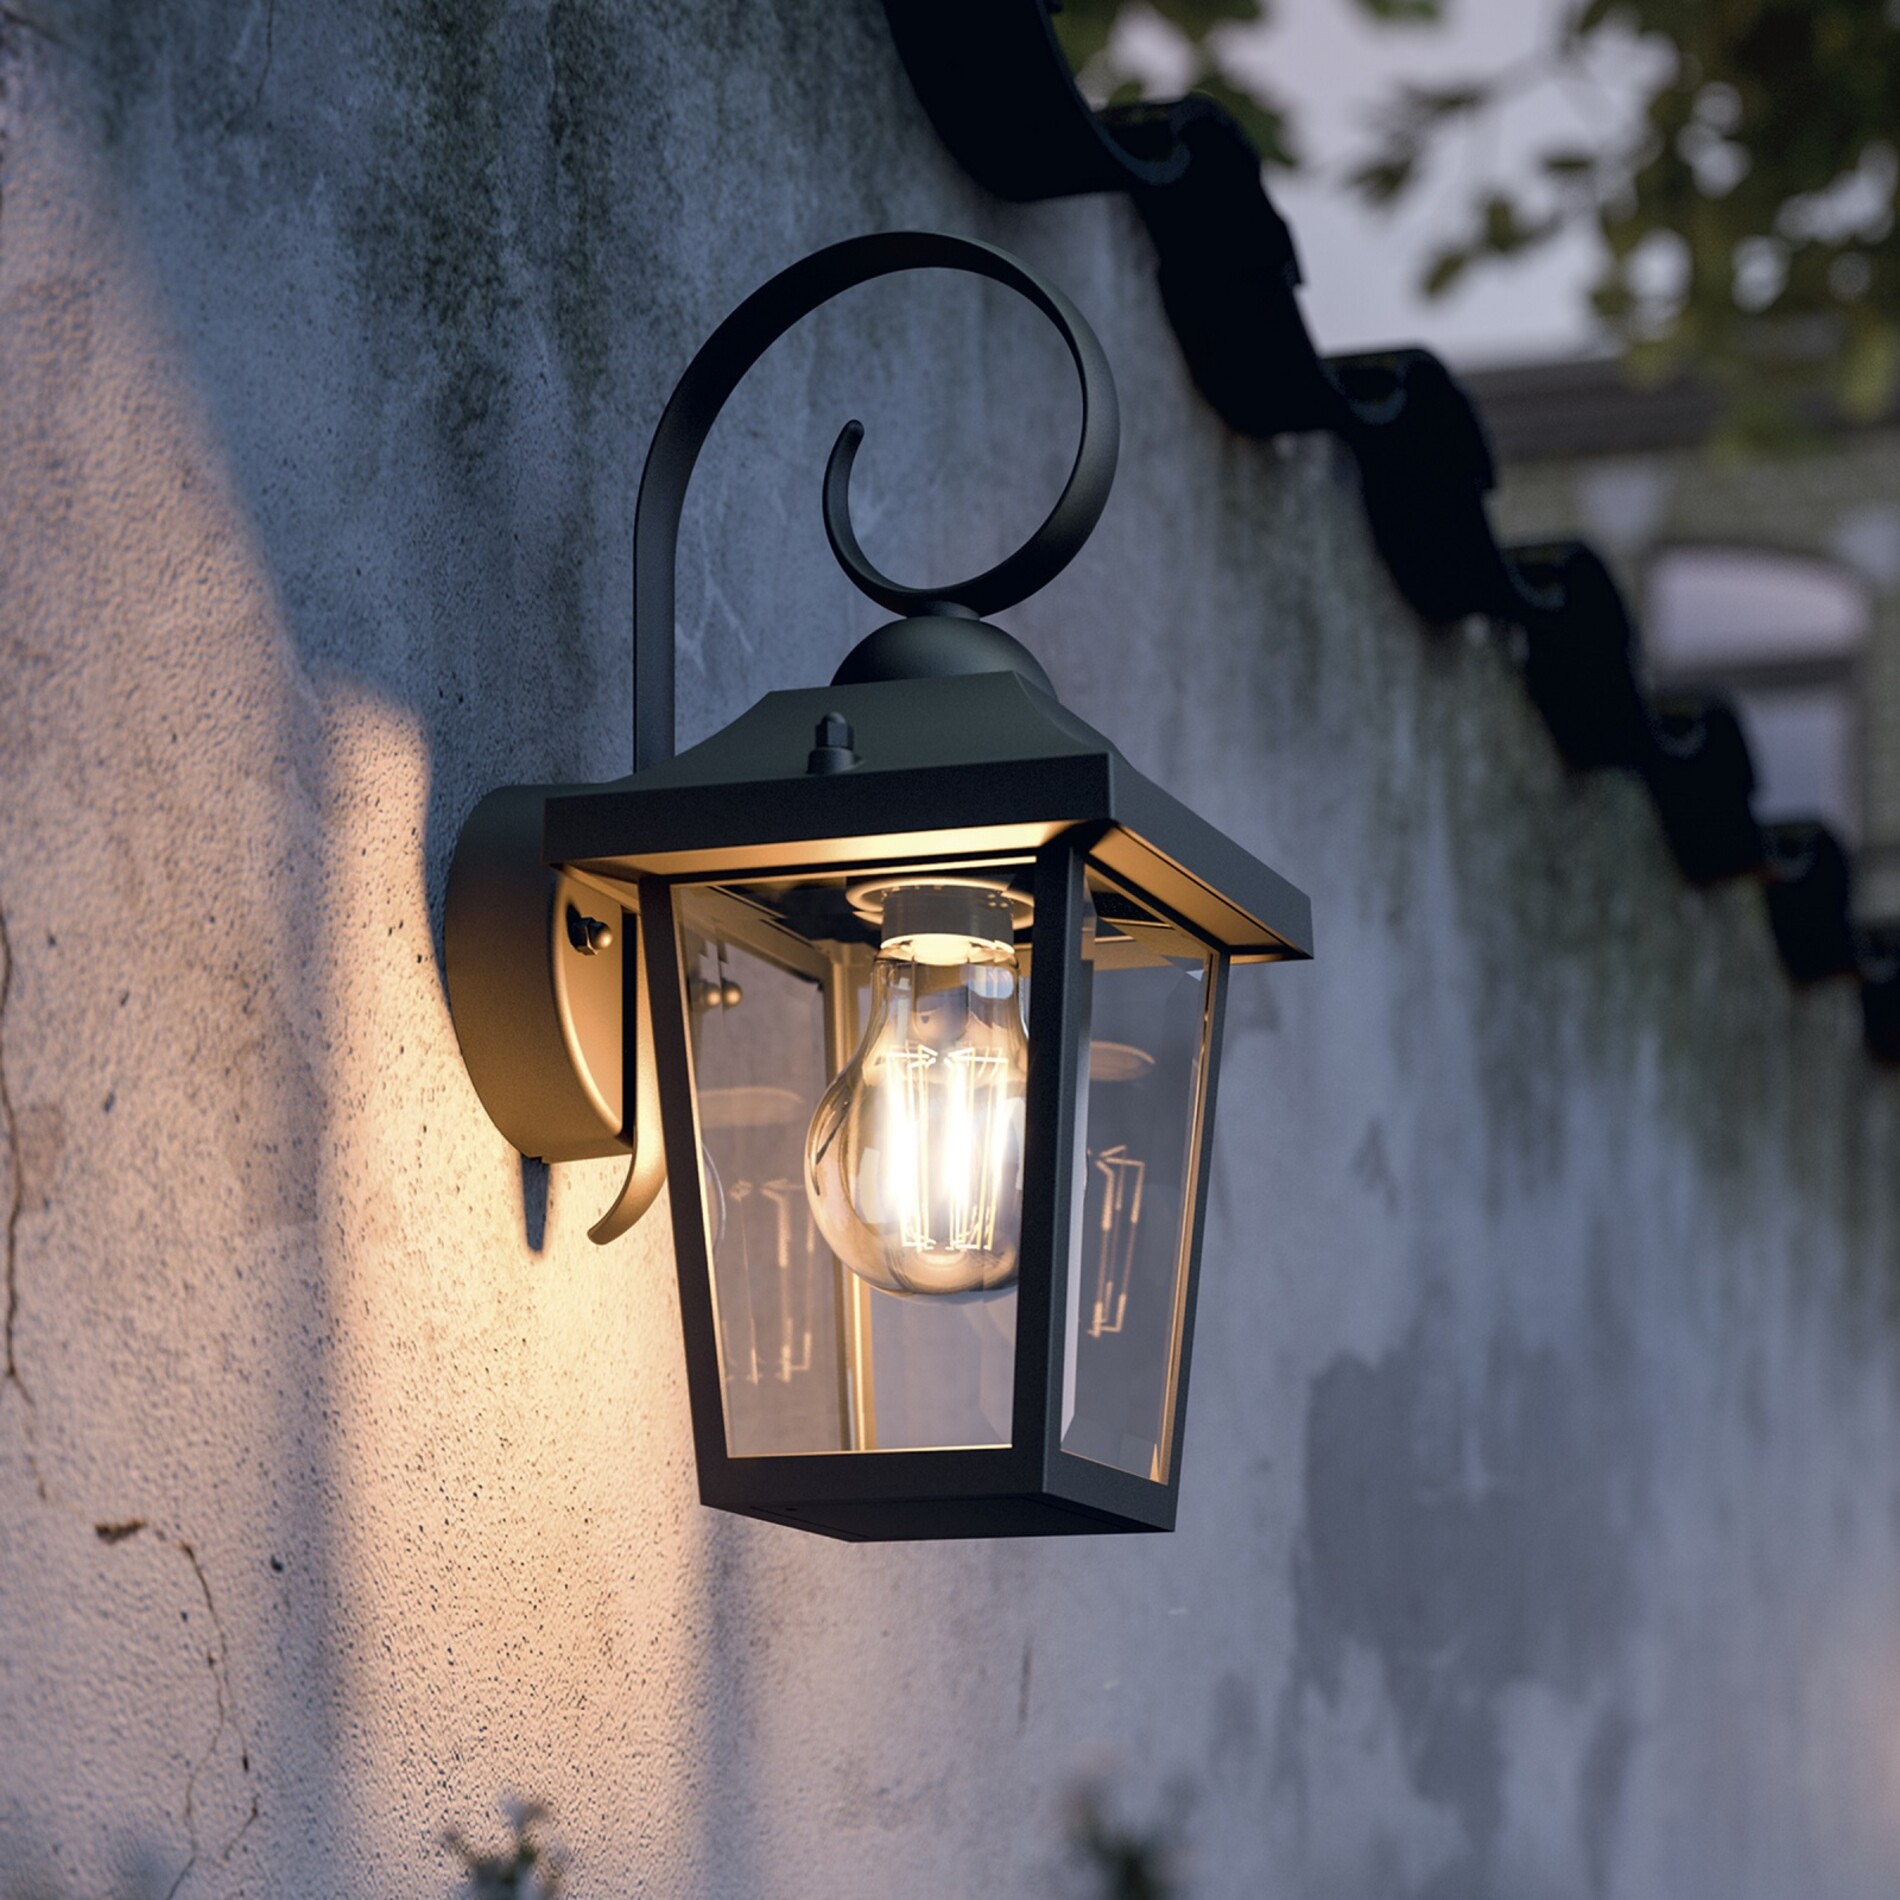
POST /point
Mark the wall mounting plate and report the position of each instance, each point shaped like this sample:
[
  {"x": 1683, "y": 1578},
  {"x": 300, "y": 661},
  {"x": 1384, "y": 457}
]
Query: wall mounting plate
[{"x": 539, "y": 968}]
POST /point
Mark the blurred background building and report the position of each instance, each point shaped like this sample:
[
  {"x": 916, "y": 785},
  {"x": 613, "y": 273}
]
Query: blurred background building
[
  {"x": 1772, "y": 573},
  {"x": 1772, "y": 576}
]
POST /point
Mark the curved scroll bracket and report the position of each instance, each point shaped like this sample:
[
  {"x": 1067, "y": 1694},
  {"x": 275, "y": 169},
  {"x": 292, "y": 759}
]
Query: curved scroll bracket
[
  {"x": 716, "y": 372},
  {"x": 546, "y": 973},
  {"x": 646, "y": 1168},
  {"x": 548, "y": 993}
]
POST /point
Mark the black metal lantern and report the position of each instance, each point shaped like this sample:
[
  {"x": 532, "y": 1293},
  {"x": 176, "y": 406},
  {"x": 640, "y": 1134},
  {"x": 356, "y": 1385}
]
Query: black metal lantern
[{"x": 921, "y": 1021}]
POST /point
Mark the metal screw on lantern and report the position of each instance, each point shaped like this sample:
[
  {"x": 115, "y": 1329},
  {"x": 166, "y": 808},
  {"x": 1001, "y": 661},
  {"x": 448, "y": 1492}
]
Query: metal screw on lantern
[{"x": 833, "y": 745}]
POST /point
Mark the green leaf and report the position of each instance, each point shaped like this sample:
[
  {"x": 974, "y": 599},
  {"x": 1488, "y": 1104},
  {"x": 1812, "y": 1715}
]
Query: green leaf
[
  {"x": 1382, "y": 180},
  {"x": 1082, "y": 29},
  {"x": 1431, "y": 103},
  {"x": 1789, "y": 146},
  {"x": 1198, "y": 18},
  {"x": 1870, "y": 372},
  {"x": 1503, "y": 230},
  {"x": 1446, "y": 268}
]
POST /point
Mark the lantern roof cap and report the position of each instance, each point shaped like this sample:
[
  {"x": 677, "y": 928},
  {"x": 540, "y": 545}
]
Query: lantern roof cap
[{"x": 928, "y": 769}]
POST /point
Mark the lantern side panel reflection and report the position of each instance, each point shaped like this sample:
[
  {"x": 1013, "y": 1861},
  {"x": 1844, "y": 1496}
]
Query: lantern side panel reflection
[
  {"x": 812, "y": 1357},
  {"x": 1148, "y": 987},
  {"x": 759, "y": 1060}
]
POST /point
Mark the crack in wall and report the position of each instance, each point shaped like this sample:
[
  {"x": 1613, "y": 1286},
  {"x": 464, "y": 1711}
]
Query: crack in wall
[
  {"x": 16, "y": 1177},
  {"x": 15, "y": 1189},
  {"x": 10, "y": 23},
  {"x": 112, "y": 1532},
  {"x": 121, "y": 1531},
  {"x": 218, "y": 1661},
  {"x": 218, "y": 1657}
]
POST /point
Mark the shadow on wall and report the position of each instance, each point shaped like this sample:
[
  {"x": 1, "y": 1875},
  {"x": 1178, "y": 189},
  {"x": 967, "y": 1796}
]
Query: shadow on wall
[
  {"x": 1517, "y": 1487},
  {"x": 1118, "y": 1861},
  {"x": 320, "y": 606},
  {"x": 524, "y": 1869}
]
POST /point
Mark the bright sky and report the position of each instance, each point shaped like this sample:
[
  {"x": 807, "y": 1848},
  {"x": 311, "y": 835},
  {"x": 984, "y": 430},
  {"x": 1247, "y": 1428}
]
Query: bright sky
[{"x": 1330, "y": 65}]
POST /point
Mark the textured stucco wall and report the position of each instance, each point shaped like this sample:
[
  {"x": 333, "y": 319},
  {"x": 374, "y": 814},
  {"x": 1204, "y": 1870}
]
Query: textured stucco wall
[{"x": 1541, "y": 1523}]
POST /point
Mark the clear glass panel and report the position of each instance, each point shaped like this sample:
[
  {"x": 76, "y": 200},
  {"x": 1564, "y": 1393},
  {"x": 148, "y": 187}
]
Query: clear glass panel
[
  {"x": 790, "y": 991},
  {"x": 1148, "y": 988}
]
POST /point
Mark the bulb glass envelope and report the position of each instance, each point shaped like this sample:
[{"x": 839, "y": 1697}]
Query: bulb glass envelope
[{"x": 1050, "y": 1404}]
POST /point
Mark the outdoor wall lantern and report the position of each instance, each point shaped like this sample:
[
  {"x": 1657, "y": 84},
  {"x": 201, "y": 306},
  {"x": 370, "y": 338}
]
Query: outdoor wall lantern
[{"x": 912, "y": 987}]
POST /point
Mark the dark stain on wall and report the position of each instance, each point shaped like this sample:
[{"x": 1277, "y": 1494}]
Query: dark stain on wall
[
  {"x": 1470, "y": 1525},
  {"x": 437, "y": 235},
  {"x": 582, "y": 42}
]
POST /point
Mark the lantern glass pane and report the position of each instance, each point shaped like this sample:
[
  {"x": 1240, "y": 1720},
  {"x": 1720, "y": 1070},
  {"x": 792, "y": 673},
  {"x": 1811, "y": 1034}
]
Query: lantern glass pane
[
  {"x": 1147, "y": 991},
  {"x": 813, "y": 1356}
]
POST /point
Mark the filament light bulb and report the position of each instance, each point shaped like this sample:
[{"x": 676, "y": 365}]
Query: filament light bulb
[{"x": 914, "y": 1160}]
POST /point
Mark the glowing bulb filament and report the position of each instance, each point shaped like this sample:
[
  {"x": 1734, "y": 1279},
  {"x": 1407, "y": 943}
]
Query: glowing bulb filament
[{"x": 914, "y": 1162}]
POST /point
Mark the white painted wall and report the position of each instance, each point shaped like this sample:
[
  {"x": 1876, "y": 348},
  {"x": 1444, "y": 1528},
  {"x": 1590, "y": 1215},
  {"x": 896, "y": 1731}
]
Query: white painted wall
[{"x": 1541, "y": 1523}]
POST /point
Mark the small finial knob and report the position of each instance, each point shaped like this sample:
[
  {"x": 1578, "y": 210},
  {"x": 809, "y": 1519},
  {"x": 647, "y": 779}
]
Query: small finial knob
[{"x": 835, "y": 747}]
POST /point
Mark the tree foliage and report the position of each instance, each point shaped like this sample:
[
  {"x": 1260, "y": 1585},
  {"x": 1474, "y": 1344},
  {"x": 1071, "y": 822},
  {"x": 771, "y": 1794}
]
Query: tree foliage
[
  {"x": 1745, "y": 206},
  {"x": 1086, "y": 29}
]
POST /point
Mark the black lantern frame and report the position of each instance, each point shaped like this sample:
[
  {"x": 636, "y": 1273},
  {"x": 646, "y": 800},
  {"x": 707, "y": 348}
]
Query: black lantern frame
[{"x": 939, "y": 754}]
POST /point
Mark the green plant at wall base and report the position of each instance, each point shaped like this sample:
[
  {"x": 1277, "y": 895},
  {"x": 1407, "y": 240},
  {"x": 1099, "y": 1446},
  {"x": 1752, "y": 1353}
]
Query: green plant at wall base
[{"x": 1745, "y": 201}]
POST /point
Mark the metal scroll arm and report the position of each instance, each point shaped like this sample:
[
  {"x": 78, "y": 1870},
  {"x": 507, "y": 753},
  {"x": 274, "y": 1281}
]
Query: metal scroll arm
[
  {"x": 646, "y": 1169},
  {"x": 710, "y": 379},
  {"x": 716, "y": 372}
]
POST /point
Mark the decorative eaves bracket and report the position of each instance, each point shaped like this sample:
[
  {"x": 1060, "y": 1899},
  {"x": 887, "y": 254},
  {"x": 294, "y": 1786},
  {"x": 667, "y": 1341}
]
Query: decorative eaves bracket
[{"x": 994, "y": 81}]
